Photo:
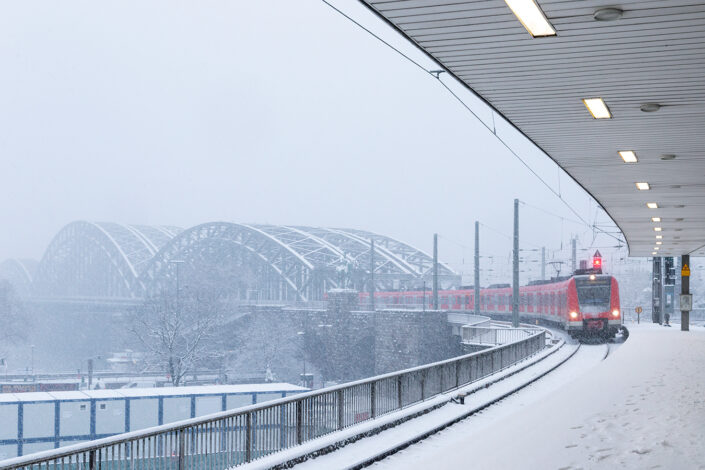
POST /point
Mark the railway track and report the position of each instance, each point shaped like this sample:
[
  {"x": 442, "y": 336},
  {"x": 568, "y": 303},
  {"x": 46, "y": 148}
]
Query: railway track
[
  {"x": 485, "y": 403},
  {"x": 397, "y": 448},
  {"x": 569, "y": 360}
]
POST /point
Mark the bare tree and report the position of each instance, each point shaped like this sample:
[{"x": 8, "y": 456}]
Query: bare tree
[
  {"x": 176, "y": 331},
  {"x": 11, "y": 317}
]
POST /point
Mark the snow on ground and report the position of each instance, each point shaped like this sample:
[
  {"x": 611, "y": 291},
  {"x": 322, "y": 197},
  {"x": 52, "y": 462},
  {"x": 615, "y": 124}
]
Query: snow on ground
[{"x": 643, "y": 407}]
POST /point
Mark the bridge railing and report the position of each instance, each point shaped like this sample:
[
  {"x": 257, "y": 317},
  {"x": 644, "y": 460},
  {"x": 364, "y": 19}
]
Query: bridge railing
[
  {"x": 231, "y": 438},
  {"x": 493, "y": 336},
  {"x": 468, "y": 319}
]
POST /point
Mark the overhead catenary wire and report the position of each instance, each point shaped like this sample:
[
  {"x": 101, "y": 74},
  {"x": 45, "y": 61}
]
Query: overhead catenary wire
[{"x": 436, "y": 74}]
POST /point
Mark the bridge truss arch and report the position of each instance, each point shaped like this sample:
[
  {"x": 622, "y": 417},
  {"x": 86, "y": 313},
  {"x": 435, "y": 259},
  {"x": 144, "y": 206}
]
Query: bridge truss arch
[
  {"x": 98, "y": 260},
  {"x": 274, "y": 262},
  {"x": 245, "y": 261},
  {"x": 20, "y": 274}
]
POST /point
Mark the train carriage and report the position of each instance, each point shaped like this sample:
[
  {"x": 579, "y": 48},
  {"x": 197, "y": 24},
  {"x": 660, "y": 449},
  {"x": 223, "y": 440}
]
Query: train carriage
[{"x": 583, "y": 304}]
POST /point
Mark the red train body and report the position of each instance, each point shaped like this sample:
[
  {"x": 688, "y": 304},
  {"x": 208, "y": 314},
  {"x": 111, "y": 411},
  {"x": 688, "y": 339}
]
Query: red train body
[{"x": 582, "y": 304}]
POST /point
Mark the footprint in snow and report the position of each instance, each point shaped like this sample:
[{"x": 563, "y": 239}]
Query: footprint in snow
[{"x": 641, "y": 451}]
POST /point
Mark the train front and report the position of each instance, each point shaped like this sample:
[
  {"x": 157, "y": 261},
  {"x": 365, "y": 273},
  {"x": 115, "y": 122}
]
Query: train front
[{"x": 595, "y": 306}]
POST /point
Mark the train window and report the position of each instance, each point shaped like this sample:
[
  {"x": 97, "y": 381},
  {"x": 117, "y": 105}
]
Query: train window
[
  {"x": 467, "y": 300},
  {"x": 593, "y": 296}
]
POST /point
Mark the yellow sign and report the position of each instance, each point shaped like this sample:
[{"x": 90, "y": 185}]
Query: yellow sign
[
  {"x": 638, "y": 310},
  {"x": 685, "y": 271}
]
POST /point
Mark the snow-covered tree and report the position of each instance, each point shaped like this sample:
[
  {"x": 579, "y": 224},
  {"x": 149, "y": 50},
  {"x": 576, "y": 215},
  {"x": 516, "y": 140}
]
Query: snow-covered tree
[
  {"x": 176, "y": 331},
  {"x": 11, "y": 318}
]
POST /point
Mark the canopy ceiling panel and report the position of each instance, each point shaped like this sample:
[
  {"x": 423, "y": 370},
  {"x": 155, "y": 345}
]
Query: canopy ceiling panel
[{"x": 653, "y": 53}]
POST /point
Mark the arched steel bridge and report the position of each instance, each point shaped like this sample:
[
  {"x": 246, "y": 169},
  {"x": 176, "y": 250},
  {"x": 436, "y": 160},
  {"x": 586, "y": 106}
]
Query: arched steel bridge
[{"x": 99, "y": 260}]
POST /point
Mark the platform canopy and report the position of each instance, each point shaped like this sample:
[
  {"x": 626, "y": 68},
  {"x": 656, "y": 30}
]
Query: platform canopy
[{"x": 633, "y": 54}]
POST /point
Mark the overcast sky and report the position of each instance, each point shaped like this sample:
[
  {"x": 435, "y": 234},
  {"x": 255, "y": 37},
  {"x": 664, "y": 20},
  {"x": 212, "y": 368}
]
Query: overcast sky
[{"x": 282, "y": 112}]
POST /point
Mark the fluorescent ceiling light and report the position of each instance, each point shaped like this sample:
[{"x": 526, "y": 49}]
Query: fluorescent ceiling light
[
  {"x": 654, "y": 253},
  {"x": 530, "y": 15},
  {"x": 659, "y": 237},
  {"x": 656, "y": 219},
  {"x": 597, "y": 108},
  {"x": 642, "y": 186},
  {"x": 659, "y": 243},
  {"x": 652, "y": 205},
  {"x": 628, "y": 156},
  {"x": 657, "y": 229},
  {"x": 656, "y": 248}
]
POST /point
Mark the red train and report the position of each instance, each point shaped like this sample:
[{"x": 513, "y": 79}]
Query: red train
[{"x": 583, "y": 305}]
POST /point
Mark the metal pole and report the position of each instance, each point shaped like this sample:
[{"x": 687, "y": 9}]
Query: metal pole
[
  {"x": 543, "y": 263},
  {"x": 515, "y": 277},
  {"x": 435, "y": 271},
  {"x": 685, "y": 289},
  {"x": 657, "y": 282},
  {"x": 477, "y": 268},
  {"x": 372, "y": 275},
  {"x": 574, "y": 256}
]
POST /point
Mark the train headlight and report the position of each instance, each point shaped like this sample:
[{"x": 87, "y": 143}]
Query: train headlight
[
  {"x": 573, "y": 314},
  {"x": 615, "y": 313}
]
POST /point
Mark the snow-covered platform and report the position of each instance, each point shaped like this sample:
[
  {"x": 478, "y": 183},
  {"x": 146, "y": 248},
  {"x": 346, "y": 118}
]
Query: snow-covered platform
[{"x": 642, "y": 407}]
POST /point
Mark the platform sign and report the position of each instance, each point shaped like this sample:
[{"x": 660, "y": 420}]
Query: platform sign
[
  {"x": 686, "y": 302},
  {"x": 685, "y": 271},
  {"x": 638, "y": 309}
]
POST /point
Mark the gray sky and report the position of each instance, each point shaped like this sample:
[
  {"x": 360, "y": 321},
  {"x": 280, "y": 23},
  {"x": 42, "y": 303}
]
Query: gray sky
[{"x": 283, "y": 112}]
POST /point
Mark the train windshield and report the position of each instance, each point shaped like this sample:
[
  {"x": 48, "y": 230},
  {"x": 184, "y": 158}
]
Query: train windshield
[{"x": 594, "y": 296}]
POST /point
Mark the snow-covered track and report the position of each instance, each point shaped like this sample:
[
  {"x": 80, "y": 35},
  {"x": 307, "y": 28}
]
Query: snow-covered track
[
  {"x": 425, "y": 434},
  {"x": 358, "y": 452}
]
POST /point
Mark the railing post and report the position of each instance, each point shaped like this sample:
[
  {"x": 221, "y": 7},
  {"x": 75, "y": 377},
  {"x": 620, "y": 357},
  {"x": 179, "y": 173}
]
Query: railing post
[
  {"x": 457, "y": 374},
  {"x": 373, "y": 399},
  {"x": 399, "y": 396},
  {"x": 248, "y": 438},
  {"x": 423, "y": 384},
  {"x": 182, "y": 449},
  {"x": 299, "y": 426},
  {"x": 341, "y": 405},
  {"x": 91, "y": 460}
]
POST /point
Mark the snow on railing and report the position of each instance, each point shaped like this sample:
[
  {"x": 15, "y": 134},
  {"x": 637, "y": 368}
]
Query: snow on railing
[
  {"x": 482, "y": 335},
  {"x": 226, "y": 439}
]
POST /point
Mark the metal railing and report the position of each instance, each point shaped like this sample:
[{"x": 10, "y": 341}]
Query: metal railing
[
  {"x": 493, "y": 336},
  {"x": 468, "y": 319},
  {"x": 231, "y": 438}
]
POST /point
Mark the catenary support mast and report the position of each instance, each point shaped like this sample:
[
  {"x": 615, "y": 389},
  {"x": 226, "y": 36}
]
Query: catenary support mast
[
  {"x": 515, "y": 277},
  {"x": 477, "y": 268}
]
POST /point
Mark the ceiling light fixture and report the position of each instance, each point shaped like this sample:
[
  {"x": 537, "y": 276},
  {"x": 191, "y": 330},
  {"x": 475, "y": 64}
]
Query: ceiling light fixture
[
  {"x": 607, "y": 14},
  {"x": 656, "y": 219},
  {"x": 642, "y": 186},
  {"x": 597, "y": 108},
  {"x": 628, "y": 156},
  {"x": 657, "y": 229},
  {"x": 659, "y": 237},
  {"x": 650, "y": 107},
  {"x": 652, "y": 205},
  {"x": 667, "y": 156},
  {"x": 531, "y": 17},
  {"x": 654, "y": 253}
]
